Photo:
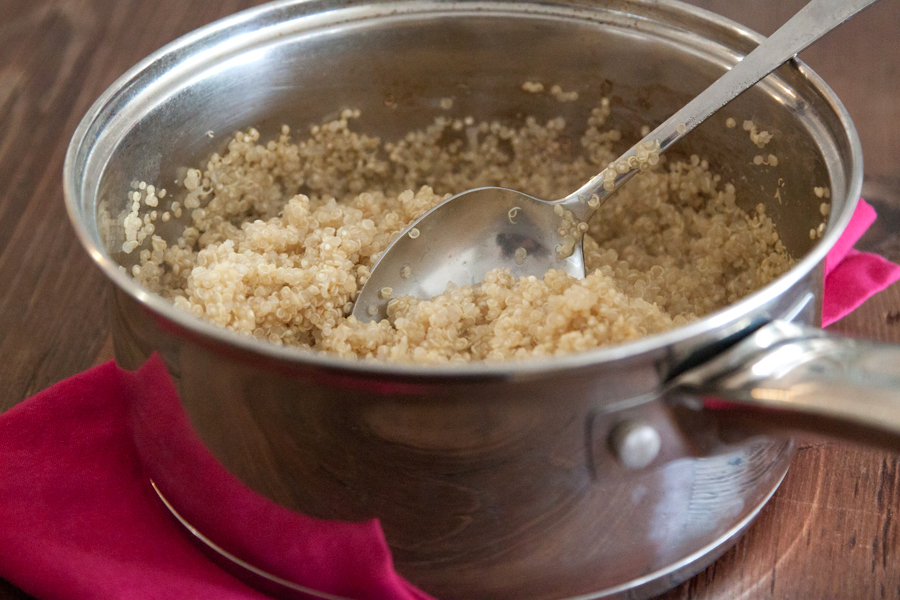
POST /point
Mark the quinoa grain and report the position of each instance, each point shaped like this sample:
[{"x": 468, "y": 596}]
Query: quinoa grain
[{"x": 283, "y": 234}]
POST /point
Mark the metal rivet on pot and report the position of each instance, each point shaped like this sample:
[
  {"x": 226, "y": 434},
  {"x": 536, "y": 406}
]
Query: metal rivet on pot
[{"x": 635, "y": 444}]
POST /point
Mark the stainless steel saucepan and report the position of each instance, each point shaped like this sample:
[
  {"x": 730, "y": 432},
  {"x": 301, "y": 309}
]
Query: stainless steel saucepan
[{"x": 617, "y": 472}]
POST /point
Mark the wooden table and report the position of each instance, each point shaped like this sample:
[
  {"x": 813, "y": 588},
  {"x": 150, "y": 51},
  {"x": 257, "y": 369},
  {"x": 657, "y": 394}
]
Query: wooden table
[{"x": 831, "y": 531}]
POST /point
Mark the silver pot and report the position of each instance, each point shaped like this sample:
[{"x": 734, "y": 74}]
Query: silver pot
[{"x": 601, "y": 474}]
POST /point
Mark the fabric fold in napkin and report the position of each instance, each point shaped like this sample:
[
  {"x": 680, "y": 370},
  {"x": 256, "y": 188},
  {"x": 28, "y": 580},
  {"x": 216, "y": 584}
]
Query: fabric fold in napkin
[
  {"x": 80, "y": 520},
  {"x": 852, "y": 277}
]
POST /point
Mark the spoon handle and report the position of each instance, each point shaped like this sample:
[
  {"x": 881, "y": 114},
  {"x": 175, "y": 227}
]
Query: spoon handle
[{"x": 813, "y": 21}]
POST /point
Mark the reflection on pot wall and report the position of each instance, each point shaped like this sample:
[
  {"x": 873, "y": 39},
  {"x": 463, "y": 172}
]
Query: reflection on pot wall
[{"x": 519, "y": 494}]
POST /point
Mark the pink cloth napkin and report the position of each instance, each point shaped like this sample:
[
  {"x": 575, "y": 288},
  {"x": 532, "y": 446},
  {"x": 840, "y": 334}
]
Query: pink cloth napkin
[
  {"x": 851, "y": 277},
  {"x": 79, "y": 519}
]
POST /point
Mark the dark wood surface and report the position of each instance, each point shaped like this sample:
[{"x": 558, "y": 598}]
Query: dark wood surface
[{"x": 831, "y": 531}]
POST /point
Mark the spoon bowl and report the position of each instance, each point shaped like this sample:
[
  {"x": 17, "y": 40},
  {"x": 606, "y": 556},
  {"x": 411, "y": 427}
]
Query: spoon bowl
[{"x": 461, "y": 240}]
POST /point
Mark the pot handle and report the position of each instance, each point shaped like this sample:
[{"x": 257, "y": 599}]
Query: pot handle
[{"x": 786, "y": 378}]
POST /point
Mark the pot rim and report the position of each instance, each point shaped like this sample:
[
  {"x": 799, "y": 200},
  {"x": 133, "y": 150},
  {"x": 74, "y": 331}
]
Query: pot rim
[{"x": 290, "y": 356}]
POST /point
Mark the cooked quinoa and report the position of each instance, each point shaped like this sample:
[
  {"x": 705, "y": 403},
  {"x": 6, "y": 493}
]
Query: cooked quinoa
[{"x": 283, "y": 234}]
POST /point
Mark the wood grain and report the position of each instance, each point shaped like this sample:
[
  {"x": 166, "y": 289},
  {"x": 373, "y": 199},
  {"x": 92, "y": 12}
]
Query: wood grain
[{"x": 831, "y": 531}]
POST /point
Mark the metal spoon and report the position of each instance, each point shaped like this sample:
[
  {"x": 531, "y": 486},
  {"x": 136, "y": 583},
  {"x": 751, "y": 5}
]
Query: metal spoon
[{"x": 469, "y": 234}]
